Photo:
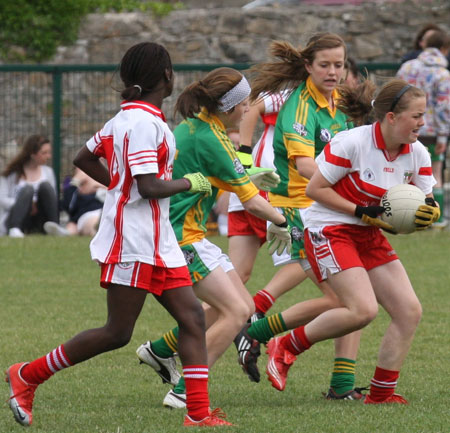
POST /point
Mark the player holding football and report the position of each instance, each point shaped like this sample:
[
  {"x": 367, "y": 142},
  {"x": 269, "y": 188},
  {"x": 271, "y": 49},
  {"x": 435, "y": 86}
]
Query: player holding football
[
  {"x": 305, "y": 124},
  {"x": 135, "y": 244},
  {"x": 343, "y": 238}
]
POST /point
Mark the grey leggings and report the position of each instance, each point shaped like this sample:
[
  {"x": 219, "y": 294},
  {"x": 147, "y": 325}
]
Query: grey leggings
[{"x": 47, "y": 204}]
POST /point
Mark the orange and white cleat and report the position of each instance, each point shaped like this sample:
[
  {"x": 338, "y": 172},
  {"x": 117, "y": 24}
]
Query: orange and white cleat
[
  {"x": 21, "y": 394},
  {"x": 216, "y": 418}
]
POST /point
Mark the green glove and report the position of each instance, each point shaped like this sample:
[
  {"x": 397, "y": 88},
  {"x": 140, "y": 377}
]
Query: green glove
[
  {"x": 427, "y": 214},
  {"x": 279, "y": 238},
  {"x": 263, "y": 178},
  {"x": 244, "y": 153},
  {"x": 199, "y": 183}
]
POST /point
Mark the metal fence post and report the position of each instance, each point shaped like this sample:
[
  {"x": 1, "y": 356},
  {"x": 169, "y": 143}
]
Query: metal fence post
[{"x": 56, "y": 142}]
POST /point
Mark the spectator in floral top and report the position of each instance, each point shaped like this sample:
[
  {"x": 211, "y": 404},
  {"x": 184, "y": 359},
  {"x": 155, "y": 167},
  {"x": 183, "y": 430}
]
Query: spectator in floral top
[{"x": 429, "y": 73}]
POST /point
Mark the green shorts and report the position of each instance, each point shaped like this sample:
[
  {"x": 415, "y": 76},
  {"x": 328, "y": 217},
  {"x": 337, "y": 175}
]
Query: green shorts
[
  {"x": 435, "y": 157},
  {"x": 298, "y": 253},
  {"x": 430, "y": 144}
]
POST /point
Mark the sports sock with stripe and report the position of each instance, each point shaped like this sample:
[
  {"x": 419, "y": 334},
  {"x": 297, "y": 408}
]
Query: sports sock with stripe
[
  {"x": 264, "y": 329},
  {"x": 263, "y": 301},
  {"x": 343, "y": 376},
  {"x": 296, "y": 341},
  {"x": 41, "y": 369},
  {"x": 197, "y": 399},
  {"x": 383, "y": 384},
  {"x": 167, "y": 345}
]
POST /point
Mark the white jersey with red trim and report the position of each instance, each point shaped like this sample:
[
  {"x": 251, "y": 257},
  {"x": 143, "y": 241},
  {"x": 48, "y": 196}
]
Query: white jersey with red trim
[
  {"x": 262, "y": 152},
  {"x": 359, "y": 167},
  {"x": 136, "y": 141}
]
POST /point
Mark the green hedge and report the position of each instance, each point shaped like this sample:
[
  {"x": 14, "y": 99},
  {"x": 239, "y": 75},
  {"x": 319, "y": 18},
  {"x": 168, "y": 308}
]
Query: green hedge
[{"x": 31, "y": 30}]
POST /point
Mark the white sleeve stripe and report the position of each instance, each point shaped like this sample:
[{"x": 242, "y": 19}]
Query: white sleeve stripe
[
  {"x": 142, "y": 152},
  {"x": 142, "y": 163},
  {"x": 154, "y": 157}
]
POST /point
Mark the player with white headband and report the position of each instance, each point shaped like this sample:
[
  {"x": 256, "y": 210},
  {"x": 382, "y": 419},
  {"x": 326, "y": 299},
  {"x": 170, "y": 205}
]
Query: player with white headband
[{"x": 210, "y": 107}]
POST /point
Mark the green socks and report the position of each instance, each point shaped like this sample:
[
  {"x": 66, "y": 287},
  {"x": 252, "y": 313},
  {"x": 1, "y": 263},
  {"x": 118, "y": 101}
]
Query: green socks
[
  {"x": 264, "y": 329},
  {"x": 180, "y": 388},
  {"x": 167, "y": 345},
  {"x": 343, "y": 376}
]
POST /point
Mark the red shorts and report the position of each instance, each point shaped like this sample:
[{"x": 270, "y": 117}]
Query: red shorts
[
  {"x": 154, "y": 279},
  {"x": 336, "y": 248},
  {"x": 243, "y": 223}
]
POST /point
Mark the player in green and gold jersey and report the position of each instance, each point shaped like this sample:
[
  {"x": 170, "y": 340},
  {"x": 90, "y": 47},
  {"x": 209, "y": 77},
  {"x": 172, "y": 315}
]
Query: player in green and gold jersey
[
  {"x": 210, "y": 107},
  {"x": 306, "y": 123}
]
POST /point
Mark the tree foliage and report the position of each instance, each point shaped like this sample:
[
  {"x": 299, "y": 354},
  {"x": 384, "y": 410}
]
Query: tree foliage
[{"x": 32, "y": 30}]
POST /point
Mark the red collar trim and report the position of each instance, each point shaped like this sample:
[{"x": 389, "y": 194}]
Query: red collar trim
[
  {"x": 381, "y": 144},
  {"x": 146, "y": 106}
]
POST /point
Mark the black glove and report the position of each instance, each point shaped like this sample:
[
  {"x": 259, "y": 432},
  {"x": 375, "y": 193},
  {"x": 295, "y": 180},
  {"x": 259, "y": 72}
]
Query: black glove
[{"x": 369, "y": 215}]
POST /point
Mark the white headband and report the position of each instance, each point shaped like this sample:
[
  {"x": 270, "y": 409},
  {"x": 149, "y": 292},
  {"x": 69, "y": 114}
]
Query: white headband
[{"x": 234, "y": 96}]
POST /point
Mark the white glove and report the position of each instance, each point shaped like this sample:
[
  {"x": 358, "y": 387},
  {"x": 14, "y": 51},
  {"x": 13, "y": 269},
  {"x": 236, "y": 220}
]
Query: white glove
[
  {"x": 264, "y": 178},
  {"x": 279, "y": 239}
]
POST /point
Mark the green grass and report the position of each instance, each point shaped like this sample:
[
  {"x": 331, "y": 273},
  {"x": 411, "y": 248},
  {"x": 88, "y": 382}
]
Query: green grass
[{"x": 49, "y": 291}]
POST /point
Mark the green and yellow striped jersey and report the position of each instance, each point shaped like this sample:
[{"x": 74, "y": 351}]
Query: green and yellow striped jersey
[
  {"x": 203, "y": 146},
  {"x": 305, "y": 124}
]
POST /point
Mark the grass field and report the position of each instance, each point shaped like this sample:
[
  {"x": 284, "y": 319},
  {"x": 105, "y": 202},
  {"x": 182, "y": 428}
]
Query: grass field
[{"x": 49, "y": 291}]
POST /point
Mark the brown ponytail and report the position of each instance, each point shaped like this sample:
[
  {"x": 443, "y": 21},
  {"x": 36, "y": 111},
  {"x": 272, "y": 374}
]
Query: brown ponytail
[{"x": 207, "y": 92}]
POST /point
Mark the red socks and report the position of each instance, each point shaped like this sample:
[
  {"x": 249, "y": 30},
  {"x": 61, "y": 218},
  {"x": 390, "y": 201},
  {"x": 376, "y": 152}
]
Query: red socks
[
  {"x": 43, "y": 368},
  {"x": 263, "y": 301},
  {"x": 296, "y": 341},
  {"x": 383, "y": 384},
  {"x": 197, "y": 398}
]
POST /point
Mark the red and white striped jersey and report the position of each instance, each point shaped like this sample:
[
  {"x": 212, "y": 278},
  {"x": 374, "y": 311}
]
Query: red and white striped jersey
[
  {"x": 136, "y": 141},
  {"x": 262, "y": 152},
  {"x": 359, "y": 167}
]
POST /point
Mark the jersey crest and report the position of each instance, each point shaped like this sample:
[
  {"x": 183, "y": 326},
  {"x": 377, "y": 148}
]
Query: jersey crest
[
  {"x": 368, "y": 175},
  {"x": 188, "y": 256},
  {"x": 325, "y": 135},
  {"x": 300, "y": 129},
  {"x": 238, "y": 166},
  {"x": 407, "y": 176},
  {"x": 297, "y": 234}
]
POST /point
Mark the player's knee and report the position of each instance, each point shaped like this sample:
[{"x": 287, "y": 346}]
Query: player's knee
[
  {"x": 119, "y": 338},
  {"x": 411, "y": 314},
  {"x": 193, "y": 318},
  {"x": 365, "y": 314},
  {"x": 245, "y": 311}
]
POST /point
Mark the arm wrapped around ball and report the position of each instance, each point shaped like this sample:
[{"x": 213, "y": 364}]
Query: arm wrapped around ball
[
  {"x": 427, "y": 214},
  {"x": 264, "y": 178},
  {"x": 369, "y": 215},
  {"x": 279, "y": 238}
]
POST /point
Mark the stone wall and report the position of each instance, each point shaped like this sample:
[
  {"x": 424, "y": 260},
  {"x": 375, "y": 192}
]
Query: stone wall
[{"x": 375, "y": 31}]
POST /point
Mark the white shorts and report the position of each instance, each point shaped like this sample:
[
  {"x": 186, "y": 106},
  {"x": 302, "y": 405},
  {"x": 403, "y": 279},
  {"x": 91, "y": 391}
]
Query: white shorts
[{"x": 203, "y": 257}]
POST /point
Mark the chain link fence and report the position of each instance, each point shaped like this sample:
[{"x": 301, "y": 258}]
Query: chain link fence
[{"x": 69, "y": 103}]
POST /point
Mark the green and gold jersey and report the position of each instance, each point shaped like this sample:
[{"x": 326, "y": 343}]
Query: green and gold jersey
[
  {"x": 305, "y": 124},
  {"x": 203, "y": 146}
]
